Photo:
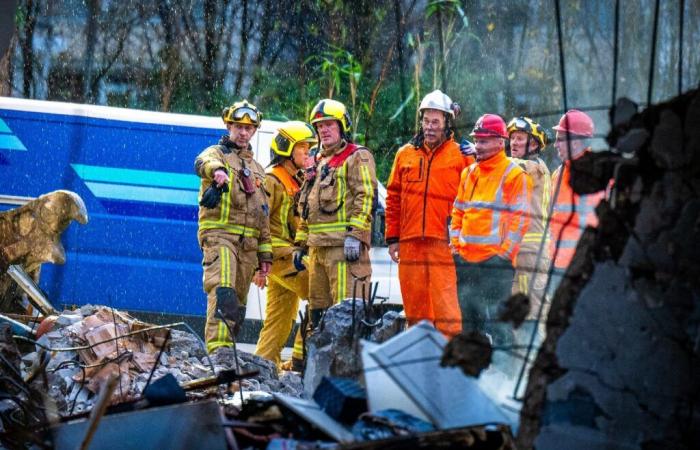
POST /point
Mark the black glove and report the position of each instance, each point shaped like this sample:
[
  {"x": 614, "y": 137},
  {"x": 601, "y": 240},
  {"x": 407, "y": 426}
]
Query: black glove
[
  {"x": 212, "y": 196},
  {"x": 297, "y": 259},
  {"x": 227, "y": 304}
]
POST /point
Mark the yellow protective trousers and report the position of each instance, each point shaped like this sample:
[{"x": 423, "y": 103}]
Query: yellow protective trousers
[
  {"x": 285, "y": 288},
  {"x": 333, "y": 279},
  {"x": 225, "y": 264},
  {"x": 526, "y": 269}
]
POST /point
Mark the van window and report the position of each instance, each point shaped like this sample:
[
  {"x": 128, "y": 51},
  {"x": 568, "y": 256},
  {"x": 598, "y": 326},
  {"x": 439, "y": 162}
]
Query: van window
[{"x": 378, "y": 222}]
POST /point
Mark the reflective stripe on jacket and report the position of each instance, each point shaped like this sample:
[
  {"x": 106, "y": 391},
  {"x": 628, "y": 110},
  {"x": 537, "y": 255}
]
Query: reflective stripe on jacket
[
  {"x": 237, "y": 212},
  {"x": 282, "y": 187},
  {"x": 566, "y": 203},
  {"x": 340, "y": 200},
  {"x": 421, "y": 189},
  {"x": 491, "y": 211}
]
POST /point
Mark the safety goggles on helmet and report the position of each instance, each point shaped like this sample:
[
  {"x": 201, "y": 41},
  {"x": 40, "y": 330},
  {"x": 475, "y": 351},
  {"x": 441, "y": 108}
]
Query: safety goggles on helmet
[
  {"x": 519, "y": 123},
  {"x": 242, "y": 112},
  {"x": 529, "y": 126}
]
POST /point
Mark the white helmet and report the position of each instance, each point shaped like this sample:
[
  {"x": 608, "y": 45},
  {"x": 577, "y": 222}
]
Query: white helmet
[{"x": 438, "y": 100}]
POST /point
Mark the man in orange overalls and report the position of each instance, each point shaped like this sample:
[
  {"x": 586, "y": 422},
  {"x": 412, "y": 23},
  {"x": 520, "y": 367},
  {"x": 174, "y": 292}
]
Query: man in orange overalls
[{"x": 422, "y": 186}]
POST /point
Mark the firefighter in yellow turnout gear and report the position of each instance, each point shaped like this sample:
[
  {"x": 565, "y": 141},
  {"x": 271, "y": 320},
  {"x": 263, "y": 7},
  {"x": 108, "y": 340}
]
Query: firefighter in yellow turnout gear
[
  {"x": 234, "y": 229},
  {"x": 527, "y": 140},
  {"x": 337, "y": 206},
  {"x": 286, "y": 284}
]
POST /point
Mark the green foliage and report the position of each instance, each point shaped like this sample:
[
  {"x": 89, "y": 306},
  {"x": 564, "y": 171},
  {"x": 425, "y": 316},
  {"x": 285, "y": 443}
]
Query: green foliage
[{"x": 498, "y": 57}]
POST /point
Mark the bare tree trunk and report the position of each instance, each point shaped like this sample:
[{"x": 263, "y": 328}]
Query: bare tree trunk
[
  {"x": 210, "y": 52},
  {"x": 243, "y": 54},
  {"x": 8, "y": 39},
  {"x": 93, "y": 8},
  {"x": 398, "y": 17},
  {"x": 441, "y": 47},
  {"x": 170, "y": 55},
  {"x": 27, "y": 46},
  {"x": 7, "y": 68}
]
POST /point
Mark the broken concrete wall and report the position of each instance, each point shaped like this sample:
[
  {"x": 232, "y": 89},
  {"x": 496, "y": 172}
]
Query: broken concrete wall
[
  {"x": 31, "y": 235},
  {"x": 334, "y": 349},
  {"x": 74, "y": 376},
  {"x": 619, "y": 367}
]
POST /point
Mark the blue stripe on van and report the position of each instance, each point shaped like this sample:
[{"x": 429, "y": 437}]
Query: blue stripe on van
[
  {"x": 151, "y": 211},
  {"x": 143, "y": 194},
  {"x": 139, "y": 177},
  {"x": 10, "y": 142},
  {"x": 4, "y": 128}
]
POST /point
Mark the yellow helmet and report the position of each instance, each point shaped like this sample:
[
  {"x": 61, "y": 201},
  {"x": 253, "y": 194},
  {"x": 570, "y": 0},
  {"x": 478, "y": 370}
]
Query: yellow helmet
[
  {"x": 242, "y": 112},
  {"x": 328, "y": 109},
  {"x": 289, "y": 135},
  {"x": 530, "y": 127}
]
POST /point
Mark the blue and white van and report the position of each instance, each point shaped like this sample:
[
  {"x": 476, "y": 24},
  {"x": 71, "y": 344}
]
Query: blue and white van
[{"x": 134, "y": 170}]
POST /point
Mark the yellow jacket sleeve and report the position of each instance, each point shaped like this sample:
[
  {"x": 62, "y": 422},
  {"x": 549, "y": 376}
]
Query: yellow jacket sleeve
[
  {"x": 362, "y": 186},
  {"x": 208, "y": 161}
]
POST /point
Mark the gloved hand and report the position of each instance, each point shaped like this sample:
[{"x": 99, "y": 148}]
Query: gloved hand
[
  {"x": 467, "y": 148},
  {"x": 212, "y": 196},
  {"x": 297, "y": 259},
  {"x": 352, "y": 249},
  {"x": 227, "y": 304}
]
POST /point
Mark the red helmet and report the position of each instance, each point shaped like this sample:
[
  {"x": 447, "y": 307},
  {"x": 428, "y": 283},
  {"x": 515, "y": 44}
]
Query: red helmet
[
  {"x": 490, "y": 125},
  {"x": 576, "y": 122}
]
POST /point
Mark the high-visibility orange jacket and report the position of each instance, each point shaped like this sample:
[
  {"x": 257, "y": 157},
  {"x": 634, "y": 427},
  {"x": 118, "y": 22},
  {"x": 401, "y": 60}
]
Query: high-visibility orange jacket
[
  {"x": 282, "y": 187},
  {"x": 422, "y": 186},
  {"x": 566, "y": 203},
  {"x": 491, "y": 211}
]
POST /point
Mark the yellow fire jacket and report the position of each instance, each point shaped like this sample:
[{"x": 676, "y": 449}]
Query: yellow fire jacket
[
  {"x": 538, "y": 172},
  {"x": 340, "y": 200},
  {"x": 282, "y": 188},
  {"x": 238, "y": 212}
]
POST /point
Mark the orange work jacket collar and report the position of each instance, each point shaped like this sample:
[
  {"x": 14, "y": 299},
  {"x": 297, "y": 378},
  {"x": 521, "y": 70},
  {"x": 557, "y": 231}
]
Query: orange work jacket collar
[
  {"x": 496, "y": 160},
  {"x": 424, "y": 148}
]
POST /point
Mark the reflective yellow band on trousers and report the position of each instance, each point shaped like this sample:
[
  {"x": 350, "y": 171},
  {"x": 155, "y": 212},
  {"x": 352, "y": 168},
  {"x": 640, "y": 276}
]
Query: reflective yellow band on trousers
[{"x": 232, "y": 228}]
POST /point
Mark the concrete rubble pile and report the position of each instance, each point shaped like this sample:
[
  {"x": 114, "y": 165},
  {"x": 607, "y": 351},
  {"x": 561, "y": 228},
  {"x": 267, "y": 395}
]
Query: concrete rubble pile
[
  {"x": 618, "y": 369},
  {"x": 75, "y": 375},
  {"x": 334, "y": 348},
  {"x": 81, "y": 355}
]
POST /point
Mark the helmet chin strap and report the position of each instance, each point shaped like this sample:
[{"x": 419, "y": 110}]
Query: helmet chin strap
[{"x": 527, "y": 146}]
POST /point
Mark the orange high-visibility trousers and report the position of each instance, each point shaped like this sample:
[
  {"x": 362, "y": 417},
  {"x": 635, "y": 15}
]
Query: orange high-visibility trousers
[{"x": 429, "y": 284}]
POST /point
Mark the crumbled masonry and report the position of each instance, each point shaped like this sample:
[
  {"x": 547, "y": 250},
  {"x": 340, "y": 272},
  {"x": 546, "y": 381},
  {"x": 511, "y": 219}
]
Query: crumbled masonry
[
  {"x": 470, "y": 351},
  {"x": 132, "y": 358},
  {"x": 618, "y": 368}
]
